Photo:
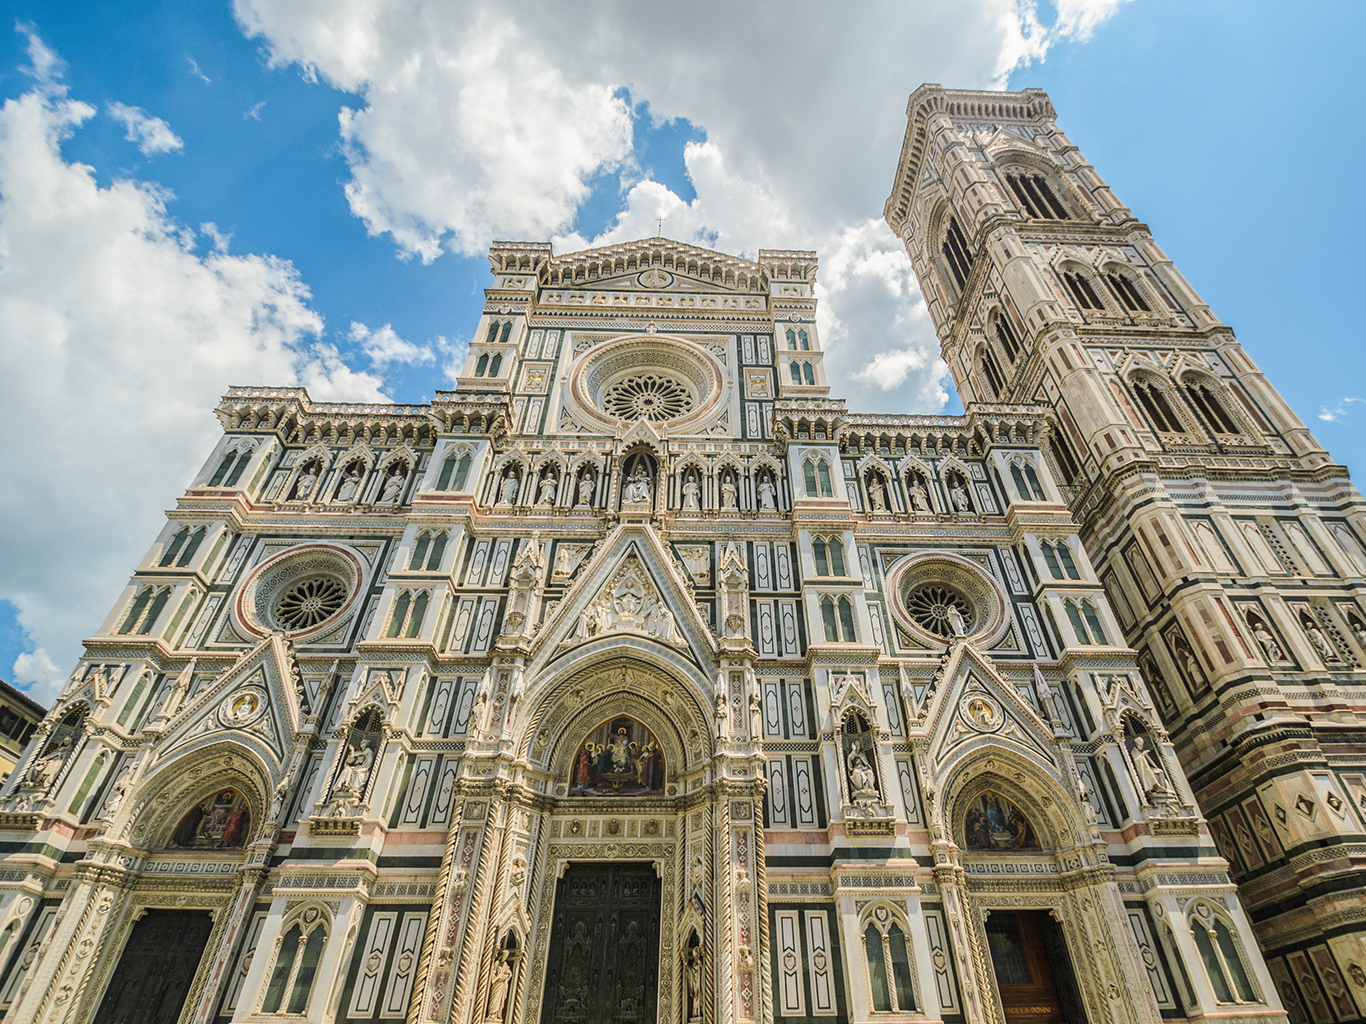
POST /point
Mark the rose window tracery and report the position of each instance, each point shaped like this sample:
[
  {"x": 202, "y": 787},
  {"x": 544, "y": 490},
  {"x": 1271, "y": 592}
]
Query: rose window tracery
[
  {"x": 647, "y": 396},
  {"x": 310, "y": 602},
  {"x": 930, "y": 606}
]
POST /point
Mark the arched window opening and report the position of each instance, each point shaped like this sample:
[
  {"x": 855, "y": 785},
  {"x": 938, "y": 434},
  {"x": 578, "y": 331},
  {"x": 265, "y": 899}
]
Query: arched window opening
[
  {"x": 1005, "y": 334},
  {"x": 1063, "y": 457},
  {"x": 1082, "y": 293},
  {"x": 1034, "y": 484},
  {"x": 1088, "y": 611},
  {"x": 418, "y": 613},
  {"x": 222, "y": 470},
  {"x": 482, "y": 365},
  {"x": 957, "y": 254},
  {"x": 836, "y": 557},
  {"x": 1051, "y": 560},
  {"x": 805, "y": 341},
  {"x": 242, "y": 459},
  {"x": 1074, "y": 617},
  {"x": 462, "y": 472},
  {"x": 846, "y": 610},
  {"x": 1036, "y": 197},
  {"x": 1229, "y": 949},
  {"x": 493, "y": 332},
  {"x": 424, "y": 540},
  {"x": 877, "y": 969},
  {"x": 1065, "y": 556},
  {"x": 816, "y": 475},
  {"x": 135, "y": 612},
  {"x": 1127, "y": 293},
  {"x": 993, "y": 374},
  {"x": 438, "y": 551},
  {"x": 808, "y": 373},
  {"x": 818, "y": 552},
  {"x": 796, "y": 370},
  {"x": 1214, "y": 968},
  {"x": 1018, "y": 478},
  {"x": 400, "y": 613},
  {"x": 823, "y": 474},
  {"x": 495, "y": 363},
  {"x": 284, "y": 967},
  {"x": 447, "y": 468},
  {"x": 791, "y": 339},
  {"x": 832, "y": 633},
  {"x": 177, "y": 542},
  {"x": 1153, "y": 399},
  {"x": 507, "y": 333},
  {"x": 809, "y": 478},
  {"x": 196, "y": 539},
  {"x": 1212, "y": 409},
  {"x": 154, "y": 612}
]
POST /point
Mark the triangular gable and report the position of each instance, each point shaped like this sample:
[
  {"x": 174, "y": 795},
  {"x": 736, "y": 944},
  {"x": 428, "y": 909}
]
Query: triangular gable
[
  {"x": 255, "y": 698},
  {"x": 972, "y": 703},
  {"x": 632, "y": 586}
]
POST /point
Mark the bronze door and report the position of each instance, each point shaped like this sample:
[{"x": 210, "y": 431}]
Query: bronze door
[
  {"x": 1023, "y": 958},
  {"x": 156, "y": 969},
  {"x": 603, "y": 966}
]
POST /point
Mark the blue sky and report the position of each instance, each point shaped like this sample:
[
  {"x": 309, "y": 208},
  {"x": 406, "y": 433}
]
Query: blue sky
[{"x": 306, "y": 211}]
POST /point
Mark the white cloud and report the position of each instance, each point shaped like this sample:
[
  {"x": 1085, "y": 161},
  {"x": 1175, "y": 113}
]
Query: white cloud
[
  {"x": 474, "y": 125},
  {"x": 35, "y": 672},
  {"x": 151, "y": 134},
  {"x": 384, "y": 346},
  {"x": 1338, "y": 411},
  {"x": 116, "y": 341}
]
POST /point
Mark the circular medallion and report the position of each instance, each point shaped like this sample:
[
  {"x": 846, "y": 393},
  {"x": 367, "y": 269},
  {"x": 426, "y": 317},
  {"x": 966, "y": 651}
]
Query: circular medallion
[
  {"x": 939, "y": 595},
  {"x": 981, "y": 712},
  {"x": 301, "y": 591}
]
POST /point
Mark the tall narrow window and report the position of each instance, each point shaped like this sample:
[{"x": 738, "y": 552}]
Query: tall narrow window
[
  {"x": 284, "y": 967},
  {"x": 1211, "y": 408},
  {"x": 418, "y": 614},
  {"x": 1006, "y": 335},
  {"x": 1074, "y": 617},
  {"x": 994, "y": 378},
  {"x": 1062, "y": 455},
  {"x": 818, "y": 553},
  {"x": 806, "y": 341},
  {"x": 494, "y": 363},
  {"x": 877, "y": 969},
  {"x": 808, "y": 373},
  {"x": 438, "y": 551},
  {"x": 493, "y": 333},
  {"x": 400, "y": 613},
  {"x": 1127, "y": 293},
  {"x": 847, "y": 621},
  {"x": 809, "y": 478},
  {"x": 447, "y": 468},
  {"x": 791, "y": 339},
  {"x": 1051, "y": 560},
  {"x": 1036, "y": 197},
  {"x": 462, "y": 472},
  {"x": 222, "y": 470},
  {"x": 154, "y": 612},
  {"x": 832, "y": 633},
  {"x": 1018, "y": 477},
  {"x": 507, "y": 333},
  {"x": 903, "y": 990},
  {"x": 196, "y": 539},
  {"x": 308, "y": 969},
  {"x": 1034, "y": 484},
  {"x": 836, "y": 557},
  {"x": 481, "y": 365},
  {"x": 135, "y": 612},
  {"x": 1224, "y": 940},
  {"x": 956, "y": 253},
  {"x": 796, "y": 369},
  {"x": 1153, "y": 399},
  {"x": 1082, "y": 292},
  {"x": 177, "y": 542},
  {"x": 1065, "y": 556},
  {"x": 1088, "y": 610},
  {"x": 424, "y": 539},
  {"x": 242, "y": 459},
  {"x": 823, "y": 472}
]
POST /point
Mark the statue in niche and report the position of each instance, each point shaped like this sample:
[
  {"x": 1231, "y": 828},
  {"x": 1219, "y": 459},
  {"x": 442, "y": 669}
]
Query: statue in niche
[
  {"x": 994, "y": 823},
  {"x": 358, "y": 764},
  {"x": 619, "y": 758},
  {"x": 277, "y": 801},
  {"x": 498, "y": 993},
  {"x": 507, "y": 490},
  {"x": 350, "y": 484},
  {"x": 308, "y": 478},
  {"x": 1151, "y": 778},
  {"x": 116, "y": 794},
  {"x": 862, "y": 781},
  {"x": 1316, "y": 637},
  {"x": 692, "y": 967},
  {"x": 728, "y": 493},
  {"x": 637, "y": 490},
  {"x": 692, "y": 492},
  {"x": 920, "y": 498},
  {"x": 548, "y": 485},
  {"x": 46, "y": 768},
  {"x": 767, "y": 494},
  {"x": 587, "y": 482},
  {"x": 1267, "y": 642},
  {"x": 393, "y": 484},
  {"x": 877, "y": 494},
  {"x": 961, "y": 503}
]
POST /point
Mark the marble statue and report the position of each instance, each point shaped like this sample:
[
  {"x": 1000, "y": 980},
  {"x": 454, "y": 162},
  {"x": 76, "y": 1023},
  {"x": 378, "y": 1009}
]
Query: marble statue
[
  {"x": 547, "y": 495},
  {"x": 1319, "y": 641},
  {"x": 586, "y": 484},
  {"x": 920, "y": 498},
  {"x": 637, "y": 485},
  {"x": 767, "y": 494},
  {"x": 508, "y": 489},
  {"x": 1268, "y": 643},
  {"x": 358, "y": 766},
  {"x": 1151, "y": 778},
  {"x": 307, "y": 479},
  {"x": 691, "y": 493},
  {"x": 877, "y": 494},
  {"x": 861, "y": 777},
  {"x": 959, "y": 494},
  {"x": 956, "y": 621},
  {"x": 728, "y": 493},
  {"x": 350, "y": 485}
]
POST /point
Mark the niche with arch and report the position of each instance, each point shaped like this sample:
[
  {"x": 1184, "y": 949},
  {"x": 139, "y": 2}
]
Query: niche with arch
[
  {"x": 221, "y": 821},
  {"x": 994, "y": 823}
]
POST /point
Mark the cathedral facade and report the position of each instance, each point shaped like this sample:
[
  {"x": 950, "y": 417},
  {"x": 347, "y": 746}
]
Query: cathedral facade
[{"x": 637, "y": 679}]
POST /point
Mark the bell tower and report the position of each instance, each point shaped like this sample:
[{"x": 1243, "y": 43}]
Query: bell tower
[{"x": 1232, "y": 547}]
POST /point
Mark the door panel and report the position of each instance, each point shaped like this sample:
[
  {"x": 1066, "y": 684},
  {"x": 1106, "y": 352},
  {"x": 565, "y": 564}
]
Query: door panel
[
  {"x": 603, "y": 966},
  {"x": 1024, "y": 974},
  {"x": 156, "y": 969}
]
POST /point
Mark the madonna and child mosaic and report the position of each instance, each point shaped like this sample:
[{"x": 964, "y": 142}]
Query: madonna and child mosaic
[
  {"x": 994, "y": 823},
  {"x": 219, "y": 823},
  {"x": 619, "y": 758}
]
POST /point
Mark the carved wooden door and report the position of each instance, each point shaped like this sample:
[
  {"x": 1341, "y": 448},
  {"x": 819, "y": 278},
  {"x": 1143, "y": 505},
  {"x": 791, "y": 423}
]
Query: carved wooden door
[
  {"x": 1024, "y": 972},
  {"x": 157, "y": 967},
  {"x": 603, "y": 966}
]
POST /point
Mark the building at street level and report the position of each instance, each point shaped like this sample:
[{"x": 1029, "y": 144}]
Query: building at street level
[{"x": 637, "y": 679}]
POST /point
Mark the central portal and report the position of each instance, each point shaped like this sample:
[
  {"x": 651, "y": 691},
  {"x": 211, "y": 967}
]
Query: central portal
[{"x": 603, "y": 966}]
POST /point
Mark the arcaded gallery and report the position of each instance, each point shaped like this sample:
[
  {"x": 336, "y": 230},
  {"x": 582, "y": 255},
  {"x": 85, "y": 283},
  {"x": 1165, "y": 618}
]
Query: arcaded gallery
[{"x": 638, "y": 680}]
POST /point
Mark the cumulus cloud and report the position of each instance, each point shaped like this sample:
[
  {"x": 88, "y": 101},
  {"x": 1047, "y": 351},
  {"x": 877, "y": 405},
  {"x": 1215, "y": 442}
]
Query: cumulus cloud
[
  {"x": 150, "y": 134},
  {"x": 384, "y": 346},
  {"x": 476, "y": 123},
  {"x": 116, "y": 339},
  {"x": 1339, "y": 411}
]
